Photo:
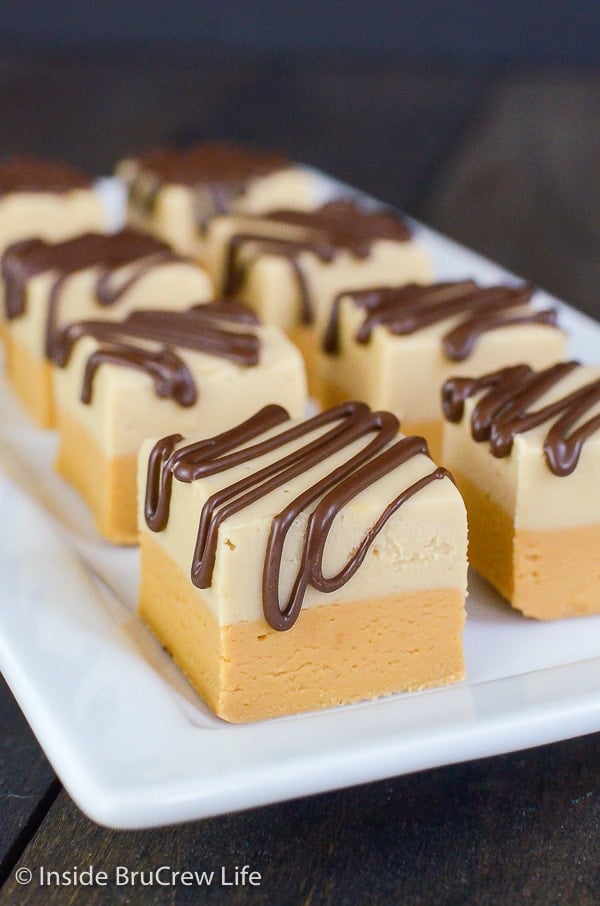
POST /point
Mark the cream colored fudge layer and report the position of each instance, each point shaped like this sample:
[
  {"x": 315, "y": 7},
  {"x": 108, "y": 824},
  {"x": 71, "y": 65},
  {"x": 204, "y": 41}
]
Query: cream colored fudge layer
[
  {"x": 125, "y": 409},
  {"x": 422, "y": 546},
  {"x": 173, "y": 285},
  {"x": 404, "y": 374},
  {"x": 270, "y": 282},
  {"x": 522, "y": 484},
  {"x": 53, "y": 216},
  {"x": 398, "y": 373},
  {"x": 174, "y": 217},
  {"x": 533, "y": 535},
  {"x": 270, "y": 286},
  {"x": 99, "y": 441}
]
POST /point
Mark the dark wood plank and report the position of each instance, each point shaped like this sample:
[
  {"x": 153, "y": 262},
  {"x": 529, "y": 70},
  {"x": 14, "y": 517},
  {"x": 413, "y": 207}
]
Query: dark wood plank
[
  {"x": 28, "y": 785},
  {"x": 523, "y": 185},
  {"x": 517, "y": 829}
]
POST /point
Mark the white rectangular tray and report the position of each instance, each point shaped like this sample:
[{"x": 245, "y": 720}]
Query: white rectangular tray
[{"x": 134, "y": 745}]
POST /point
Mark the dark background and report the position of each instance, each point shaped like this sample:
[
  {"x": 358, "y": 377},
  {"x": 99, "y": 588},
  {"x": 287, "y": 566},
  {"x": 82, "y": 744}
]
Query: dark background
[
  {"x": 482, "y": 119},
  {"x": 463, "y": 33}
]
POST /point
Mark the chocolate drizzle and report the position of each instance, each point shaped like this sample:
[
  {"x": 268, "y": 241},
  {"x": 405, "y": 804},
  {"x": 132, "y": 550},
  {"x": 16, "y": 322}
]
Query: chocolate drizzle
[
  {"x": 504, "y": 411},
  {"x": 217, "y": 176},
  {"x": 336, "y": 226},
  {"x": 108, "y": 252},
  {"x": 147, "y": 341},
  {"x": 407, "y": 309},
  {"x": 32, "y": 174},
  {"x": 326, "y": 498}
]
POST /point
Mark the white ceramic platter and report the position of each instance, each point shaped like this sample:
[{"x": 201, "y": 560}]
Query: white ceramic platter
[{"x": 133, "y": 744}]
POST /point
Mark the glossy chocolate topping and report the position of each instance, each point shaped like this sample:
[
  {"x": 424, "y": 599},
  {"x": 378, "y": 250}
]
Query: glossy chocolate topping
[
  {"x": 344, "y": 225},
  {"x": 334, "y": 227},
  {"x": 505, "y": 410},
  {"x": 216, "y": 174},
  {"x": 31, "y": 174},
  {"x": 408, "y": 309},
  {"x": 108, "y": 252},
  {"x": 325, "y": 499},
  {"x": 148, "y": 341}
]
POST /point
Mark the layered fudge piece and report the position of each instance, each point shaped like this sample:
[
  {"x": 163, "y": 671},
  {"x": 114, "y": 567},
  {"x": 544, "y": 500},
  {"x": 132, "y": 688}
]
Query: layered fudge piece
[
  {"x": 524, "y": 448},
  {"x": 395, "y": 346},
  {"x": 290, "y": 565},
  {"x": 117, "y": 383},
  {"x": 47, "y": 199},
  {"x": 94, "y": 275},
  {"x": 173, "y": 193},
  {"x": 290, "y": 265}
]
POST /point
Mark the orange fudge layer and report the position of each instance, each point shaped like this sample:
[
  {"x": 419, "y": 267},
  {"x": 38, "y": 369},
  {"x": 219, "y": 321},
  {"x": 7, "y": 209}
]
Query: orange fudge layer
[
  {"x": 108, "y": 486},
  {"x": 545, "y": 574},
  {"x": 338, "y": 652},
  {"x": 31, "y": 380}
]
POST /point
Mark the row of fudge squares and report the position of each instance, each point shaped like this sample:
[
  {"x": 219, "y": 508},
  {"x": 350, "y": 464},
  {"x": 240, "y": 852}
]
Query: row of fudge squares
[
  {"x": 98, "y": 303},
  {"x": 390, "y": 346},
  {"x": 334, "y": 279},
  {"x": 458, "y": 317},
  {"x": 108, "y": 414},
  {"x": 171, "y": 194},
  {"x": 100, "y": 404},
  {"x": 406, "y": 342},
  {"x": 292, "y": 564}
]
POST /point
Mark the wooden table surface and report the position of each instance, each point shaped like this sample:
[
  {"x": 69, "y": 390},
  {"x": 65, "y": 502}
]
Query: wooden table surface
[{"x": 508, "y": 163}]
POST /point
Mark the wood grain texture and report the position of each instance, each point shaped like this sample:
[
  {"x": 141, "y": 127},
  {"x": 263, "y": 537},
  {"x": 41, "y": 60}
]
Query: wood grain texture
[
  {"x": 517, "y": 829},
  {"x": 27, "y": 782}
]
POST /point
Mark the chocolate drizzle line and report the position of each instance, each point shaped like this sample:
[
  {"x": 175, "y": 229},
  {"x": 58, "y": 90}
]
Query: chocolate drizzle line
[
  {"x": 108, "y": 252},
  {"x": 24, "y": 260},
  {"x": 405, "y": 310},
  {"x": 204, "y": 328},
  {"x": 217, "y": 176},
  {"x": 505, "y": 411},
  {"x": 32, "y": 174},
  {"x": 336, "y": 226},
  {"x": 349, "y": 422}
]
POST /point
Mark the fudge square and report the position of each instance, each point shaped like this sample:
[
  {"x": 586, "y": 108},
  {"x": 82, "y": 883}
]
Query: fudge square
[
  {"x": 289, "y": 565},
  {"x": 94, "y": 275},
  {"x": 395, "y": 346},
  {"x": 157, "y": 371},
  {"x": 173, "y": 192},
  {"x": 289, "y": 265},
  {"x": 524, "y": 449},
  {"x": 47, "y": 199}
]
